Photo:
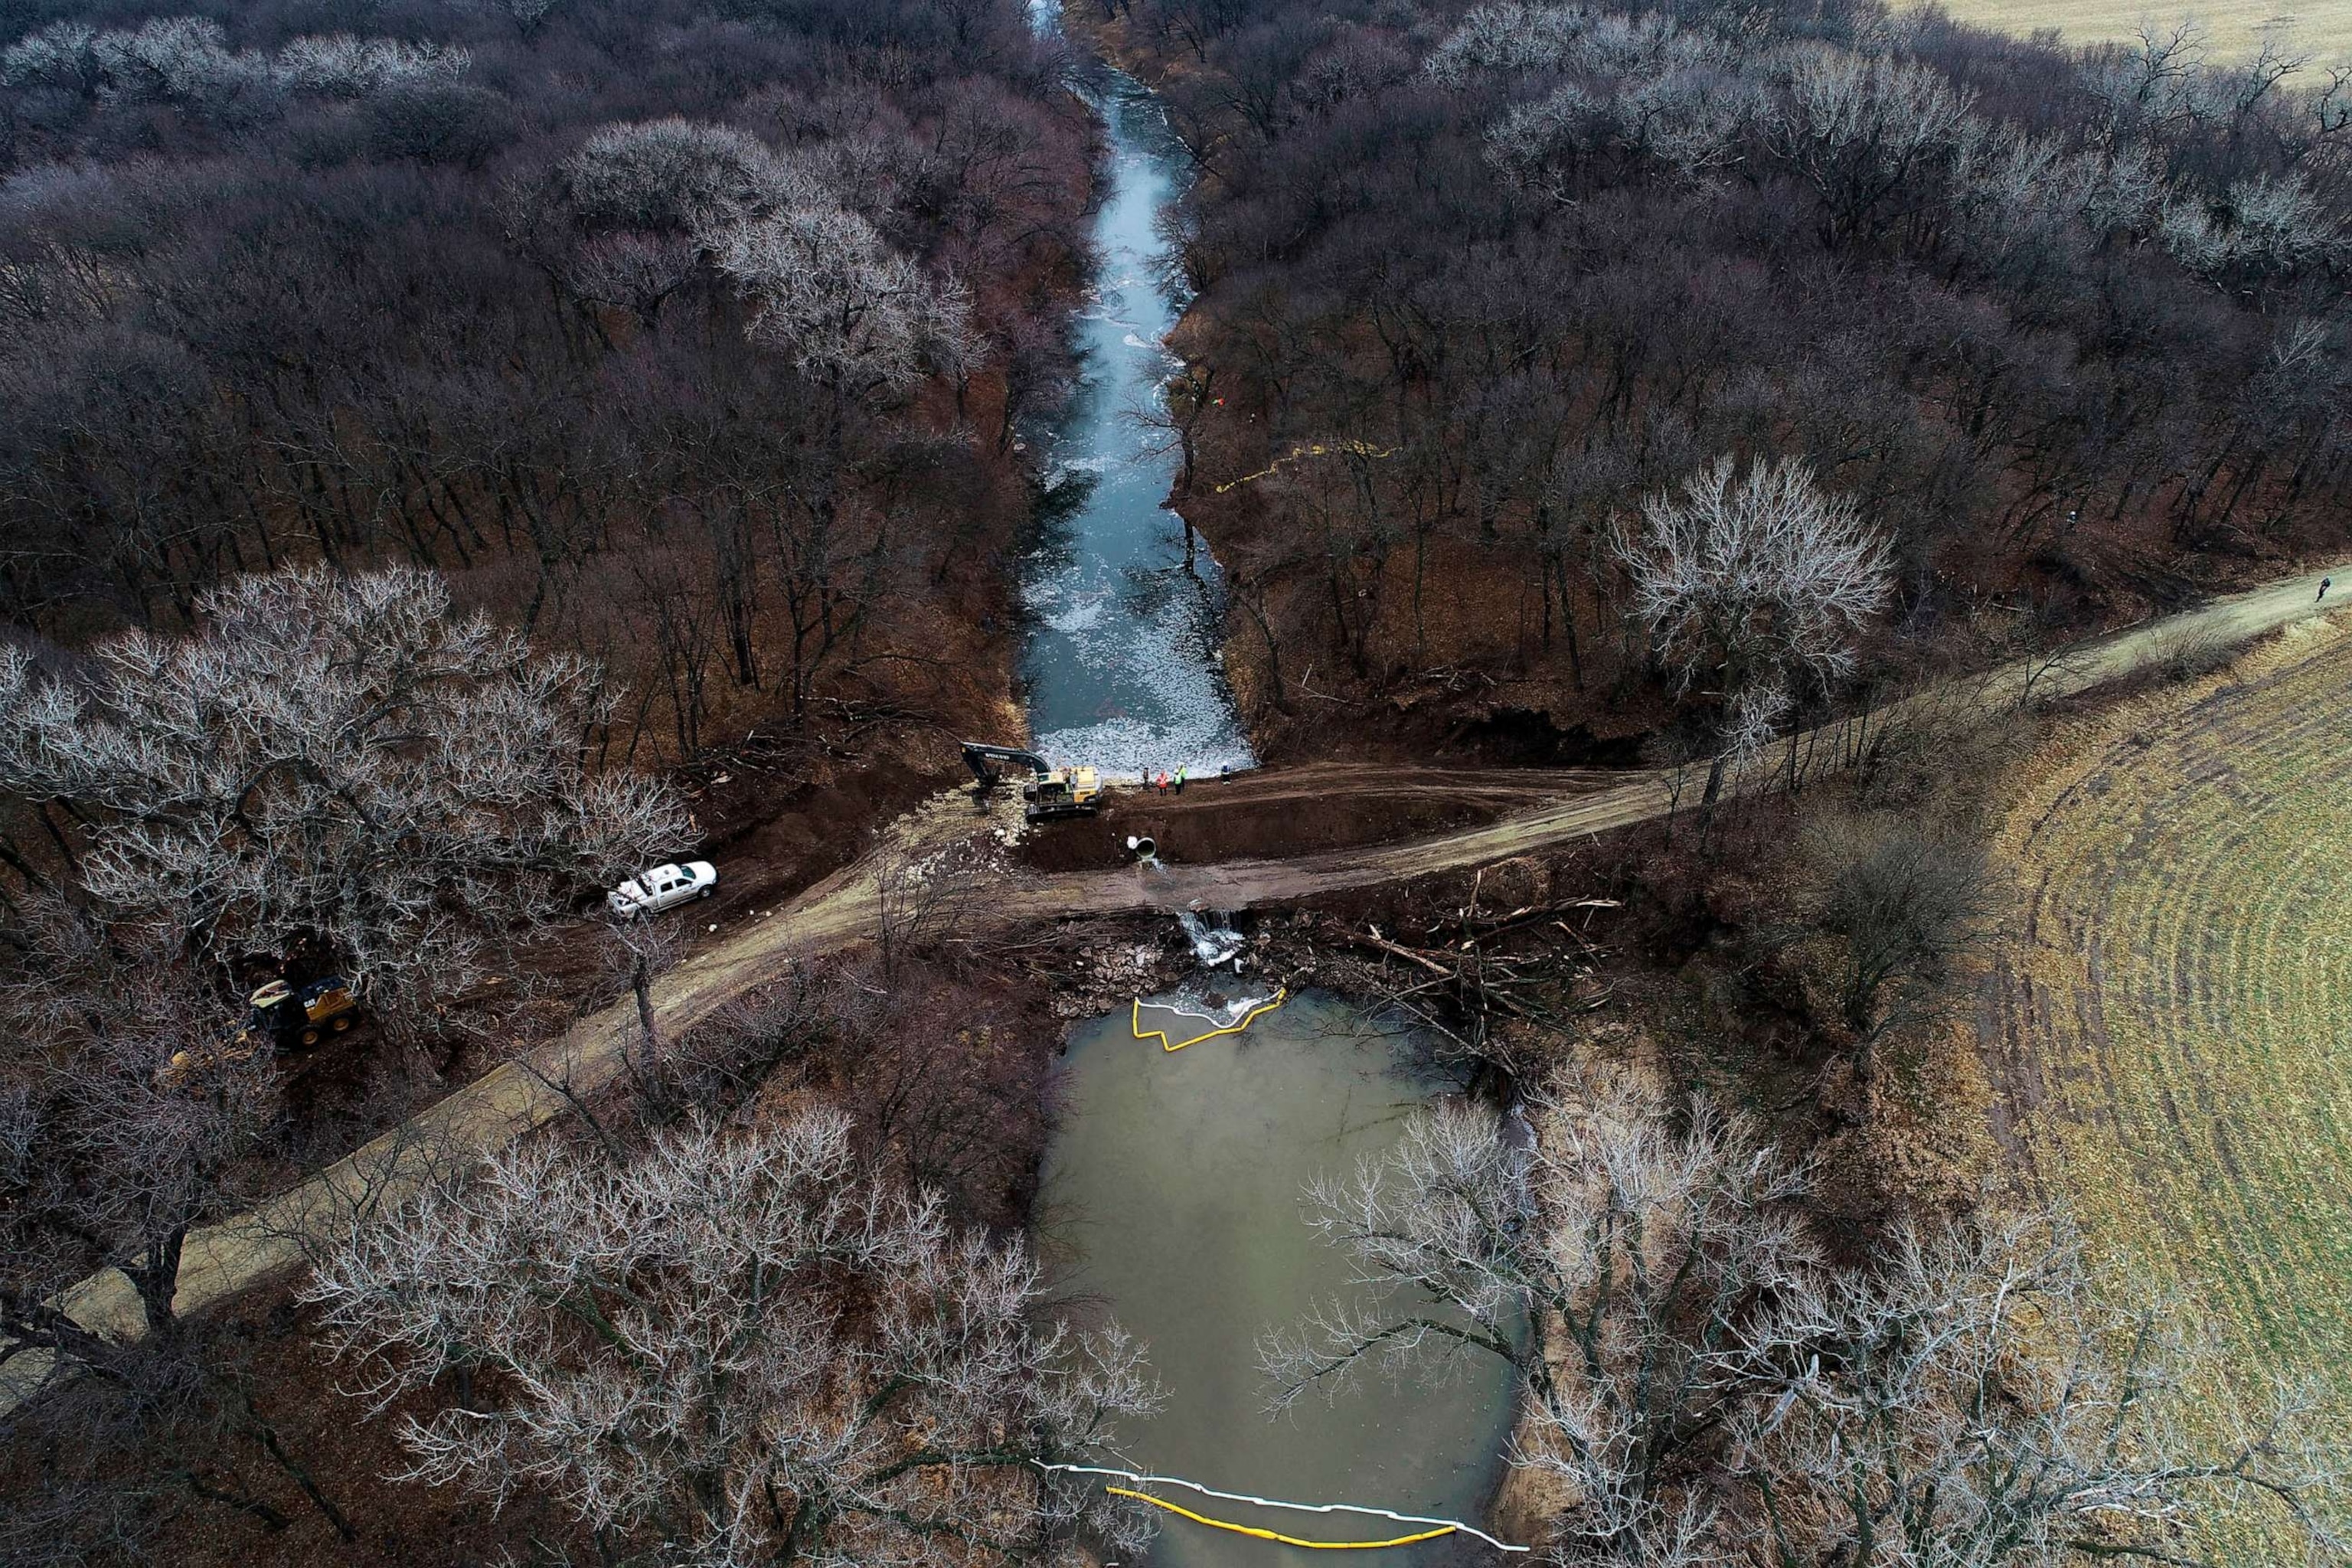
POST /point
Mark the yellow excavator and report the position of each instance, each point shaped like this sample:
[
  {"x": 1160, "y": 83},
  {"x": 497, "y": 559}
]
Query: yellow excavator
[
  {"x": 1050, "y": 791},
  {"x": 283, "y": 1016}
]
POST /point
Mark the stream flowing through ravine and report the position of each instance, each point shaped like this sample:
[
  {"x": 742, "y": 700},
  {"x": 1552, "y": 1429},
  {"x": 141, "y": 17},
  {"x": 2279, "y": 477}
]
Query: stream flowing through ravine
[
  {"x": 1121, "y": 670},
  {"x": 1171, "y": 1189}
]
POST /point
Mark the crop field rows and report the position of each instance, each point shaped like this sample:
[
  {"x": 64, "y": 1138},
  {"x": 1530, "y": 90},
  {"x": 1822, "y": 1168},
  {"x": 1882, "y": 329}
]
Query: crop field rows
[
  {"x": 2177, "y": 1002},
  {"x": 2320, "y": 27}
]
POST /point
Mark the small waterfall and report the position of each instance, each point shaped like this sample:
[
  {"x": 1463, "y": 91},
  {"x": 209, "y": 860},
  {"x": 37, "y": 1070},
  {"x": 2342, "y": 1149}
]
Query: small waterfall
[{"x": 1212, "y": 943}]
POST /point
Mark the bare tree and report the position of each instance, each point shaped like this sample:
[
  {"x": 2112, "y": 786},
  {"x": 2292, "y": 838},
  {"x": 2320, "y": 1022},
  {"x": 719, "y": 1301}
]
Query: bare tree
[
  {"x": 853, "y": 315},
  {"x": 923, "y": 898},
  {"x": 1982, "y": 1398},
  {"x": 739, "y": 1349},
  {"x": 953, "y": 1088},
  {"x": 1906, "y": 900},
  {"x": 675, "y": 176},
  {"x": 1618, "y": 1263},
  {"x": 341, "y": 65},
  {"x": 634, "y": 272},
  {"x": 109, "y": 1158},
  {"x": 124, "y": 1123},
  {"x": 1756, "y": 584},
  {"x": 711, "y": 1067},
  {"x": 156, "y": 1427},
  {"x": 339, "y": 760},
  {"x": 1510, "y": 36},
  {"x": 1865, "y": 131},
  {"x": 177, "y": 59},
  {"x": 1696, "y": 1374},
  {"x": 2260, "y": 225},
  {"x": 1170, "y": 421},
  {"x": 187, "y": 60}
]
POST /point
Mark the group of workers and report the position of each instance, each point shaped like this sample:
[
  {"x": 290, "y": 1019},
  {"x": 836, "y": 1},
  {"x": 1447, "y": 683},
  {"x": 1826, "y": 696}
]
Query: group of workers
[{"x": 1166, "y": 782}]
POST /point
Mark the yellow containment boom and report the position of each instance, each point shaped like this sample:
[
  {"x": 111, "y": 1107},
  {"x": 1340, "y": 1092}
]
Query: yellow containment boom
[
  {"x": 1256, "y": 1011},
  {"x": 1433, "y": 1527},
  {"x": 1275, "y": 1535}
]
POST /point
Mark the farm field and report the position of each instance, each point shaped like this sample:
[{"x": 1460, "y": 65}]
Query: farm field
[
  {"x": 2173, "y": 1000},
  {"x": 2321, "y": 27}
]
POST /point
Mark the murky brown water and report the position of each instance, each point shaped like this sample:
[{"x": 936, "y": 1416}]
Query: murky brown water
[{"x": 1172, "y": 1191}]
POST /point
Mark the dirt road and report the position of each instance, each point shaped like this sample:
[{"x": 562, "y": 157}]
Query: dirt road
[{"x": 223, "y": 1260}]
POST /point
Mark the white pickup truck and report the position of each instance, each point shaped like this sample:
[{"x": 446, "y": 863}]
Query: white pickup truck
[{"x": 650, "y": 892}]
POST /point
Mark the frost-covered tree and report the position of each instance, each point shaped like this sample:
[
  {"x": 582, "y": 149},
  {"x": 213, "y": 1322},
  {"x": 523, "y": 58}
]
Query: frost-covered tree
[
  {"x": 678, "y": 177},
  {"x": 740, "y": 1348},
  {"x": 338, "y": 760},
  {"x": 1511, "y": 37},
  {"x": 828, "y": 291},
  {"x": 177, "y": 59},
  {"x": 1754, "y": 582},
  {"x": 188, "y": 61},
  {"x": 341, "y": 65},
  {"x": 1685, "y": 118},
  {"x": 2261, "y": 226},
  {"x": 1866, "y": 132},
  {"x": 1616, "y": 1260},
  {"x": 826, "y": 288},
  {"x": 61, "y": 55}
]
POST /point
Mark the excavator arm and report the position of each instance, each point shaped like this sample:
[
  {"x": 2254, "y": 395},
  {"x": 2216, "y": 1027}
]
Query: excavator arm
[{"x": 984, "y": 760}]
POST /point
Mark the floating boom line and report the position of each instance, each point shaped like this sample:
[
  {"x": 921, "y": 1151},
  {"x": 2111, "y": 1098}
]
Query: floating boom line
[
  {"x": 1277, "y": 1536},
  {"x": 1437, "y": 1526},
  {"x": 1256, "y": 1011}
]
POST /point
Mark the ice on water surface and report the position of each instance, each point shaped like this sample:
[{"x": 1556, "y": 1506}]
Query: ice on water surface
[{"x": 1121, "y": 669}]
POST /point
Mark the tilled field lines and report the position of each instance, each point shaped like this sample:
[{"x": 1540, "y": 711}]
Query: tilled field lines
[
  {"x": 2232, "y": 29},
  {"x": 2177, "y": 1002}
]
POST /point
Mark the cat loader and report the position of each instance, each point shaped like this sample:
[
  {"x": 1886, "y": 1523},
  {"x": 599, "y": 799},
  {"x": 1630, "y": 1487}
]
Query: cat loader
[{"x": 283, "y": 1017}]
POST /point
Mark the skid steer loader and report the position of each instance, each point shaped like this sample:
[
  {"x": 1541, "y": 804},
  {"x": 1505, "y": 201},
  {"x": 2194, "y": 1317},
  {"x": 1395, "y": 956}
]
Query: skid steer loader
[{"x": 283, "y": 1017}]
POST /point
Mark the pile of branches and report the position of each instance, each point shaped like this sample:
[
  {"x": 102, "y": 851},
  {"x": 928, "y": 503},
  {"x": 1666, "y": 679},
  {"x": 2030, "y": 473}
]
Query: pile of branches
[{"x": 1471, "y": 973}]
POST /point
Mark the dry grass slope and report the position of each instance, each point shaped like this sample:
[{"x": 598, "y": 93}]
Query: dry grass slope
[
  {"x": 2320, "y": 27},
  {"x": 2177, "y": 997}
]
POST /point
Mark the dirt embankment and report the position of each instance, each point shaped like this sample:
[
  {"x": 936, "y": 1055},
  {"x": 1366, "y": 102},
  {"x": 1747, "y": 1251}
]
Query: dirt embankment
[{"x": 1282, "y": 812}]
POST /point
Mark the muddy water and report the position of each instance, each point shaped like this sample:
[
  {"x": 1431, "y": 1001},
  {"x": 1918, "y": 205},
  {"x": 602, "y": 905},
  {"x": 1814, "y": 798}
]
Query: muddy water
[
  {"x": 1121, "y": 669},
  {"x": 1172, "y": 1194}
]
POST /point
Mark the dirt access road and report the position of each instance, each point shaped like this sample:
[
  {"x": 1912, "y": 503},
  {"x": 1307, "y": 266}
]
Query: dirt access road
[{"x": 224, "y": 1258}]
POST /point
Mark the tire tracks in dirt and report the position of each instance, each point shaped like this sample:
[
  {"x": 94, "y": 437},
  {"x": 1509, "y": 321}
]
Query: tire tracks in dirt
[{"x": 222, "y": 1260}]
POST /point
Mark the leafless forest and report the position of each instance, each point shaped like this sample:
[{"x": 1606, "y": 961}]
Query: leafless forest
[
  {"x": 449, "y": 445},
  {"x": 2068, "y": 327},
  {"x": 693, "y": 343}
]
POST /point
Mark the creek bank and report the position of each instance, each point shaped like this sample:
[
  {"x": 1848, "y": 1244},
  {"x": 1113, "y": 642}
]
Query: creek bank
[
  {"x": 1119, "y": 667},
  {"x": 1312, "y": 710}
]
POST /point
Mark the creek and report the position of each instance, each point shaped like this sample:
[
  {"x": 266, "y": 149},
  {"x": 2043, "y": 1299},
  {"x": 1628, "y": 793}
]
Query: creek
[
  {"x": 1120, "y": 667},
  {"x": 1171, "y": 1189},
  {"x": 1172, "y": 1196}
]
